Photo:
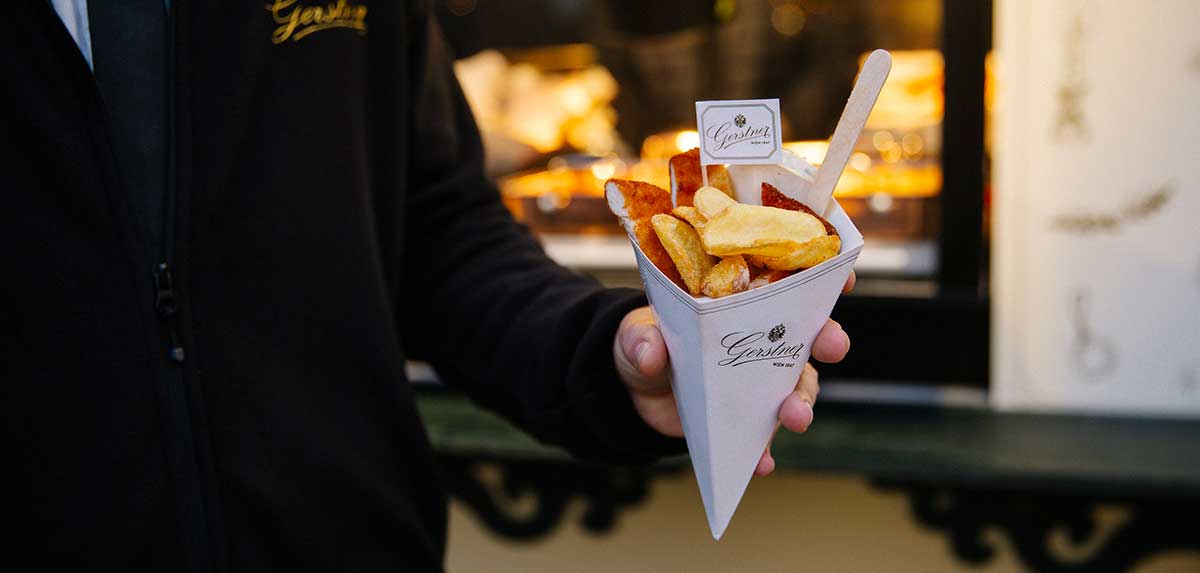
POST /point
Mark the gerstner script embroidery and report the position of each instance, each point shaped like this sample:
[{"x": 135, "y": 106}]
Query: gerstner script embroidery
[{"x": 297, "y": 21}]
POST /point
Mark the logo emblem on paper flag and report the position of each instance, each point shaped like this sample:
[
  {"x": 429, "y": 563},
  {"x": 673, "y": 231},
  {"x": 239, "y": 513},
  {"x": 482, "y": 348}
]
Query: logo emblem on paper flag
[{"x": 739, "y": 131}]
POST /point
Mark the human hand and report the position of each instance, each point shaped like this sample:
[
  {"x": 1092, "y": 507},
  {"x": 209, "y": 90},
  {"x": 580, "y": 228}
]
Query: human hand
[{"x": 641, "y": 357}]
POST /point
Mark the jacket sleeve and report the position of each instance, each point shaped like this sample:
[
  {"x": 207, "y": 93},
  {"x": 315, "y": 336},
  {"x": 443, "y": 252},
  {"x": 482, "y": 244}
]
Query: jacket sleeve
[{"x": 487, "y": 308}]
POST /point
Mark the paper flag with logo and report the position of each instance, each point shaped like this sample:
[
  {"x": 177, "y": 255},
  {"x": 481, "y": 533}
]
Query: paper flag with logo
[
  {"x": 739, "y": 131},
  {"x": 734, "y": 359}
]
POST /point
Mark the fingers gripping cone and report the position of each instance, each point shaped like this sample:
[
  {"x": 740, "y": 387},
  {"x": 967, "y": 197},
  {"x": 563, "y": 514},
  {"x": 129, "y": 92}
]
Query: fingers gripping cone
[{"x": 735, "y": 359}]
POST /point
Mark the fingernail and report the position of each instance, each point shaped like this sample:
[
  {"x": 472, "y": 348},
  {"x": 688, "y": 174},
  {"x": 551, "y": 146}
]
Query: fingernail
[
  {"x": 639, "y": 352},
  {"x": 811, "y": 414}
]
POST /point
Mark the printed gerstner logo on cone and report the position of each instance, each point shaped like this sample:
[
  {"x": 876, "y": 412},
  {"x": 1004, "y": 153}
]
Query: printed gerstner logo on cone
[{"x": 747, "y": 347}]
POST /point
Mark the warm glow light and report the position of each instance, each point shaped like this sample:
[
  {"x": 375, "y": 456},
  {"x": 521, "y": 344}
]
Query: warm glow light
[
  {"x": 860, "y": 161},
  {"x": 891, "y": 152},
  {"x": 788, "y": 19},
  {"x": 655, "y": 147},
  {"x": 687, "y": 140},
  {"x": 604, "y": 169},
  {"x": 812, "y": 151},
  {"x": 880, "y": 202},
  {"x": 593, "y": 133},
  {"x": 573, "y": 96},
  {"x": 912, "y": 144},
  {"x": 912, "y": 96},
  {"x": 664, "y": 145},
  {"x": 883, "y": 139},
  {"x": 564, "y": 182},
  {"x": 542, "y": 109},
  {"x": 542, "y": 134}
]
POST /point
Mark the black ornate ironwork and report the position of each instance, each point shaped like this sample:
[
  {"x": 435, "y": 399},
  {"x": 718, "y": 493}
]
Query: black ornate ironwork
[
  {"x": 1029, "y": 520},
  {"x": 523, "y": 500}
]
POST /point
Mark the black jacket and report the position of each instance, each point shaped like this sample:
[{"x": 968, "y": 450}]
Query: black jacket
[{"x": 331, "y": 220}]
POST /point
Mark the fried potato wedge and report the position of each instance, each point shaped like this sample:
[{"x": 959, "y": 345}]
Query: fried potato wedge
[
  {"x": 692, "y": 215},
  {"x": 642, "y": 202},
  {"x": 731, "y": 275},
  {"x": 686, "y": 180},
  {"x": 683, "y": 246},
  {"x": 808, "y": 254},
  {"x": 768, "y": 277},
  {"x": 761, "y": 231},
  {"x": 710, "y": 201},
  {"x": 715, "y": 246},
  {"x": 772, "y": 197}
]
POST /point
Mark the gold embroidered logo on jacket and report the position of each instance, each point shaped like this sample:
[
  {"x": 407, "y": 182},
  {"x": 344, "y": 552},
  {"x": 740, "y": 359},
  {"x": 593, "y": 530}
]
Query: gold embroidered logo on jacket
[{"x": 296, "y": 21}]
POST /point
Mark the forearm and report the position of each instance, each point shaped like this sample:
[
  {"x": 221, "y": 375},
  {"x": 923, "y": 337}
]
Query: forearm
[{"x": 482, "y": 302}]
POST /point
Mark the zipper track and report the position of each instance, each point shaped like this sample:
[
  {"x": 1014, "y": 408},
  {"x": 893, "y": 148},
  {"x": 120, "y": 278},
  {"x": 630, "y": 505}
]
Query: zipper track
[
  {"x": 181, "y": 454},
  {"x": 167, "y": 253},
  {"x": 191, "y": 497}
]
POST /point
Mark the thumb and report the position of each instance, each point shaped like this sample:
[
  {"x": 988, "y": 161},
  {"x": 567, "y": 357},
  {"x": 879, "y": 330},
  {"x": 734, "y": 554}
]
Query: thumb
[{"x": 640, "y": 353}]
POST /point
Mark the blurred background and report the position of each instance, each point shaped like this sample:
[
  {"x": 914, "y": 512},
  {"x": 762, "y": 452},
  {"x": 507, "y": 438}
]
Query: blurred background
[
  {"x": 1039, "y": 351},
  {"x": 571, "y": 93}
]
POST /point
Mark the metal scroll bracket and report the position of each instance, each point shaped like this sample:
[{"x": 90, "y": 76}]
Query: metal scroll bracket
[
  {"x": 1032, "y": 522},
  {"x": 523, "y": 500}
]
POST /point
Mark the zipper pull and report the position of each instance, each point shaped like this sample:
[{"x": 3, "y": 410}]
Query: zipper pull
[{"x": 167, "y": 306}]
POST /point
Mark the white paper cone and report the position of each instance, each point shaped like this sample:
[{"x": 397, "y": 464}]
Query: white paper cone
[{"x": 735, "y": 359}]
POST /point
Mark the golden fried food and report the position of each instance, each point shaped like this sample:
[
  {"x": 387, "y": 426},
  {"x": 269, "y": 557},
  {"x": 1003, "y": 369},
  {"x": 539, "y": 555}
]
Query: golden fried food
[
  {"x": 808, "y": 254},
  {"x": 710, "y": 201},
  {"x": 757, "y": 245},
  {"x": 772, "y": 197},
  {"x": 761, "y": 231},
  {"x": 642, "y": 202},
  {"x": 731, "y": 275},
  {"x": 718, "y": 178},
  {"x": 767, "y": 276},
  {"x": 692, "y": 215},
  {"x": 683, "y": 246},
  {"x": 685, "y": 173}
]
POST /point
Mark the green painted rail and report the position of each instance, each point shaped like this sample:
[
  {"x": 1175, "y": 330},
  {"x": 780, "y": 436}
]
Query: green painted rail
[{"x": 938, "y": 445}]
